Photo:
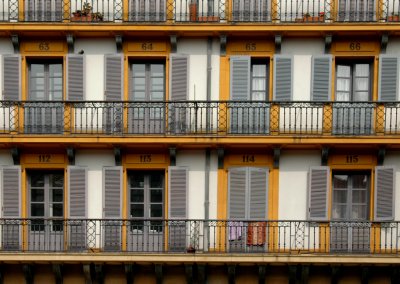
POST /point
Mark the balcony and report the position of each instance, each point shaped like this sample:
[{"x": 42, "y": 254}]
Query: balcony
[
  {"x": 200, "y": 118},
  {"x": 203, "y": 236},
  {"x": 200, "y": 11}
]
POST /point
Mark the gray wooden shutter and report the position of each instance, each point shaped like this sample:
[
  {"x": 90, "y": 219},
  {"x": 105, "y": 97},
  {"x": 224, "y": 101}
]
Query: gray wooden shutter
[
  {"x": 388, "y": 77},
  {"x": 11, "y": 207},
  {"x": 384, "y": 193},
  {"x": 177, "y": 192},
  {"x": 11, "y": 77},
  {"x": 237, "y": 184},
  {"x": 240, "y": 78},
  {"x": 75, "y": 77},
  {"x": 77, "y": 207},
  {"x": 177, "y": 207},
  {"x": 179, "y": 77},
  {"x": 321, "y": 78},
  {"x": 258, "y": 193},
  {"x": 318, "y": 193},
  {"x": 283, "y": 81},
  {"x": 113, "y": 77},
  {"x": 112, "y": 200}
]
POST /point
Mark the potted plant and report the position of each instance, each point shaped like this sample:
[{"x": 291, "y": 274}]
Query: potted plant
[
  {"x": 86, "y": 14},
  {"x": 193, "y": 11},
  {"x": 394, "y": 17}
]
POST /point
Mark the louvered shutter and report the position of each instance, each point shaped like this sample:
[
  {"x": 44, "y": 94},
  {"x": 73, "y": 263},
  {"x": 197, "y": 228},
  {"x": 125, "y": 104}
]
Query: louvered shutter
[
  {"x": 318, "y": 193},
  {"x": 177, "y": 207},
  {"x": 112, "y": 200},
  {"x": 11, "y": 77},
  {"x": 240, "y": 78},
  {"x": 283, "y": 81},
  {"x": 75, "y": 77},
  {"x": 11, "y": 207},
  {"x": 179, "y": 77},
  {"x": 178, "y": 195},
  {"x": 237, "y": 184},
  {"x": 77, "y": 207},
  {"x": 321, "y": 78},
  {"x": 258, "y": 193},
  {"x": 384, "y": 193},
  {"x": 388, "y": 77},
  {"x": 113, "y": 77}
]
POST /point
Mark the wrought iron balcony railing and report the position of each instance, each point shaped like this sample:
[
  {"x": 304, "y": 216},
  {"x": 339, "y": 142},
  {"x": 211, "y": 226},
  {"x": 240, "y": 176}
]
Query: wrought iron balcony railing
[
  {"x": 206, "y": 236},
  {"x": 200, "y": 11},
  {"x": 200, "y": 118}
]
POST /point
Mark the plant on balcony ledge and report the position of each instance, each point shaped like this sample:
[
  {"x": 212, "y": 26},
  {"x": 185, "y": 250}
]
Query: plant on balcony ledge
[
  {"x": 394, "y": 17},
  {"x": 86, "y": 14},
  {"x": 308, "y": 18}
]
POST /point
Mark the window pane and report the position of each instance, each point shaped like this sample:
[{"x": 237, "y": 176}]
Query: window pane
[
  {"x": 139, "y": 83},
  {"x": 156, "y": 210},
  {"x": 37, "y": 194},
  {"x": 340, "y": 196},
  {"x": 37, "y": 210},
  {"x": 156, "y": 195},
  {"x": 57, "y": 180},
  {"x": 137, "y": 180},
  {"x": 362, "y": 70},
  {"x": 58, "y": 195},
  {"x": 157, "y": 70},
  {"x": 139, "y": 96},
  {"x": 361, "y": 84},
  {"x": 138, "y": 70},
  {"x": 359, "y": 196},
  {"x": 156, "y": 181},
  {"x": 55, "y": 70},
  {"x": 137, "y": 210},
  {"x": 157, "y": 84},
  {"x": 343, "y": 71},
  {"x": 258, "y": 96},
  {"x": 258, "y": 84},
  {"x": 157, "y": 96},
  {"x": 340, "y": 181},
  {"x": 137, "y": 195},
  {"x": 359, "y": 212},
  {"x": 37, "y": 180},
  {"x": 37, "y": 70},
  {"x": 57, "y": 210},
  {"x": 361, "y": 96},
  {"x": 338, "y": 211},
  {"x": 360, "y": 181}
]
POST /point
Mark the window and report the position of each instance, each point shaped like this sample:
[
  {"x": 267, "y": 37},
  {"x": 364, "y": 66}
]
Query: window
[
  {"x": 146, "y": 205},
  {"x": 147, "y": 86},
  {"x": 353, "y": 84},
  {"x": 350, "y": 203},
  {"x": 247, "y": 195},
  {"x": 46, "y": 205},
  {"x": 43, "y": 10},
  {"x": 45, "y": 86},
  {"x": 147, "y": 10},
  {"x": 357, "y": 10},
  {"x": 251, "y": 11},
  {"x": 249, "y": 94}
]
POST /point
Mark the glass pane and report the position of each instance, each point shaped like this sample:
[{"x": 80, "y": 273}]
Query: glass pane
[
  {"x": 156, "y": 210},
  {"x": 258, "y": 84},
  {"x": 360, "y": 181},
  {"x": 137, "y": 180},
  {"x": 359, "y": 212},
  {"x": 37, "y": 84},
  {"x": 139, "y": 83},
  {"x": 58, "y": 195},
  {"x": 37, "y": 70},
  {"x": 156, "y": 195},
  {"x": 157, "y": 96},
  {"x": 37, "y": 210},
  {"x": 338, "y": 211},
  {"x": 259, "y": 70},
  {"x": 362, "y": 70},
  {"x": 157, "y": 84},
  {"x": 57, "y": 210},
  {"x": 359, "y": 196},
  {"x": 37, "y": 180},
  {"x": 361, "y": 84},
  {"x": 361, "y": 97},
  {"x": 258, "y": 96},
  {"x": 55, "y": 96},
  {"x": 37, "y": 195},
  {"x": 157, "y": 70},
  {"x": 137, "y": 195},
  {"x": 55, "y": 70},
  {"x": 343, "y": 71},
  {"x": 340, "y": 181},
  {"x": 138, "y": 70},
  {"x": 57, "y": 180},
  {"x": 156, "y": 180},
  {"x": 137, "y": 210},
  {"x": 340, "y": 196}
]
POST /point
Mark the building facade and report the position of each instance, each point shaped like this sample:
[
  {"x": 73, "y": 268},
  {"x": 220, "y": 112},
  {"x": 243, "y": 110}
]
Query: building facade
[{"x": 199, "y": 141}]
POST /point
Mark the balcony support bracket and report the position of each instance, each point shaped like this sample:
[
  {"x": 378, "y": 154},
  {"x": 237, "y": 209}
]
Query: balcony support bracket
[
  {"x": 221, "y": 156},
  {"x": 70, "y": 43},
  {"x": 365, "y": 275},
  {"x": 384, "y": 42},
  {"x": 328, "y": 43},
  {"x": 172, "y": 156},
  {"x": 15, "y": 43},
  {"x": 129, "y": 272},
  {"x": 86, "y": 273},
  {"x": 99, "y": 273},
  {"x": 277, "y": 155},
  {"x": 174, "y": 42},
  {"x": 324, "y": 156},
  {"x": 28, "y": 273},
  {"x": 292, "y": 274},
  {"x": 305, "y": 271},
  {"x": 395, "y": 278},
  {"x": 231, "y": 273},
  {"x": 222, "y": 39},
  {"x": 159, "y": 273},
  {"x": 118, "y": 42},
  {"x": 57, "y": 270},
  {"x": 381, "y": 156},
  {"x": 278, "y": 43},
  {"x": 335, "y": 273},
  {"x": 118, "y": 156},
  {"x": 201, "y": 274},
  {"x": 71, "y": 156},
  {"x": 262, "y": 269},
  {"x": 189, "y": 273},
  {"x": 15, "y": 153}
]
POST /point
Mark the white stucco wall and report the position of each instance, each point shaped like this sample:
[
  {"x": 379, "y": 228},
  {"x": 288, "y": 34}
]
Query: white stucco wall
[
  {"x": 94, "y": 51},
  {"x": 293, "y": 179},
  {"x": 95, "y": 160},
  {"x": 195, "y": 161}
]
